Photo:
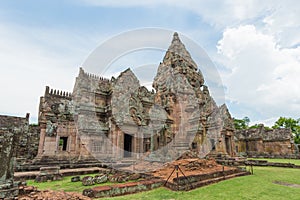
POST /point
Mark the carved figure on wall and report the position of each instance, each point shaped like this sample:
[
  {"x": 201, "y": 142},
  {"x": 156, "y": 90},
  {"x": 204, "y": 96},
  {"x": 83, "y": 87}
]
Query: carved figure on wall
[{"x": 51, "y": 129}]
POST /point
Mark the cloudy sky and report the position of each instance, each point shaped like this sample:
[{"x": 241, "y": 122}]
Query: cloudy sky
[{"x": 255, "y": 45}]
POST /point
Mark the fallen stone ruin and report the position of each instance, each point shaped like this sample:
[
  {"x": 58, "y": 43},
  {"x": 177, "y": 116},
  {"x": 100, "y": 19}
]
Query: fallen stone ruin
[{"x": 180, "y": 175}]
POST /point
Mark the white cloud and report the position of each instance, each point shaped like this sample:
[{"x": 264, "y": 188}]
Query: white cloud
[
  {"x": 30, "y": 59},
  {"x": 283, "y": 22},
  {"x": 278, "y": 18},
  {"x": 219, "y": 13},
  {"x": 267, "y": 122},
  {"x": 263, "y": 76}
]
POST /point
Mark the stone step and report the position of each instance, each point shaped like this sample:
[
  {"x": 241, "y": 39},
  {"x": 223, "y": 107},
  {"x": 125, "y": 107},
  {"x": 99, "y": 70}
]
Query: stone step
[
  {"x": 194, "y": 185},
  {"x": 218, "y": 179}
]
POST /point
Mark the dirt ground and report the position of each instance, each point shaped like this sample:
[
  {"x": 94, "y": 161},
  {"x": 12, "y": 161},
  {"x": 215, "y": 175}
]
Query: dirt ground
[
  {"x": 189, "y": 166},
  {"x": 192, "y": 166},
  {"x": 53, "y": 195}
]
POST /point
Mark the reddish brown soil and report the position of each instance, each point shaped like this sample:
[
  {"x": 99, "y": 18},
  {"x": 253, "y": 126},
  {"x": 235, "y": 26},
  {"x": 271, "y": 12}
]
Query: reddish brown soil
[
  {"x": 189, "y": 166},
  {"x": 53, "y": 195},
  {"x": 192, "y": 166}
]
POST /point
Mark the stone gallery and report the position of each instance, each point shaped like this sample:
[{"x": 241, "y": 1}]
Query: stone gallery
[
  {"x": 118, "y": 118},
  {"x": 265, "y": 142}
]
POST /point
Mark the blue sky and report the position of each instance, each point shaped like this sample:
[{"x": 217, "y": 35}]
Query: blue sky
[{"x": 253, "y": 44}]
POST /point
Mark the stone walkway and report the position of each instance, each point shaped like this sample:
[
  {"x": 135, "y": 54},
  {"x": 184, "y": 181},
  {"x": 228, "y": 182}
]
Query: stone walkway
[
  {"x": 64, "y": 172},
  {"x": 293, "y": 185}
]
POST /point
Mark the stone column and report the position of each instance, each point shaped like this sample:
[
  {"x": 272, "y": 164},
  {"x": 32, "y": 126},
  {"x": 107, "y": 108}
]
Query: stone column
[
  {"x": 152, "y": 142},
  {"x": 8, "y": 144},
  {"x": 42, "y": 140}
]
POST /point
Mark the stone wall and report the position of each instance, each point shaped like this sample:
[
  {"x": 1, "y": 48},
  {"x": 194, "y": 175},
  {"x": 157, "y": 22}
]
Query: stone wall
[
  {"x": 11, "y": 128},
  {"x": 28, "y": 144},
  {"x": 29, "y": 136},
  {"x": 33, "y": 141},
  {"x": 11, "y": 121},
  {"x": 264, "y": 142}
]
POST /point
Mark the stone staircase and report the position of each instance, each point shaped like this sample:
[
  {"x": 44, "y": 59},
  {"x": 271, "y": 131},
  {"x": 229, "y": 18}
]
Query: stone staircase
[{"x": 181, "y": 146}]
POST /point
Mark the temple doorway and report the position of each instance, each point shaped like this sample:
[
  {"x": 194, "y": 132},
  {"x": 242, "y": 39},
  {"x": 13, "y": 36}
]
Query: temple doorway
[
  {"x": 127, "y": 145},
  {"x": 228, "y": 145}
]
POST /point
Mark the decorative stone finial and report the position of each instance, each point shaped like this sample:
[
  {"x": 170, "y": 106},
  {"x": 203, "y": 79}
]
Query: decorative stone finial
[
  {"x": 81, "y": 71},
  {"x": 175, "y": 37}
]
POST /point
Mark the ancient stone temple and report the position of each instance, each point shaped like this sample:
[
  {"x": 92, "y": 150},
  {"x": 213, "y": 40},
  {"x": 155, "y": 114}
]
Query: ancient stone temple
[
  {"x": 265, "y": 142},
  {"x": 118, "y": 118}
]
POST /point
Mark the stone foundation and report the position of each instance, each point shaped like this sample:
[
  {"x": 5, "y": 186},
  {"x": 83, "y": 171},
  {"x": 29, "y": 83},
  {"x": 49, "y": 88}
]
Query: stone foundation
[
  {"x": 9, "y": 190},
  {"x": 265, "y": 163},
  {"x": 123, "y": 189},
  {"x": 195, "y": 181}
]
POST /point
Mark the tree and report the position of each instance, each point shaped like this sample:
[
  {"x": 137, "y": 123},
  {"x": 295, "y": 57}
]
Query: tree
[
  {"x": 254, "y": 126},
  {"x": 241, "y": 124},
  {"x": 284, "y": 122},
  {"x": 257, "y": 126},
  {"x": 293, "y": 124}
]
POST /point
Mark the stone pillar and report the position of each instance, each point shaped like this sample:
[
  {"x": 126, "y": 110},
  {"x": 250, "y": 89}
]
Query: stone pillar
[
  {"x": 8, "y": 143},
  {"x": 152, "y": 142},
  {"x": 120, "y": 145},
  {"x": 42, "y": 140}
]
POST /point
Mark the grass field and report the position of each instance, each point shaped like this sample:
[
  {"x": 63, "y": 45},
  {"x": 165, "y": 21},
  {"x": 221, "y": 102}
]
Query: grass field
[
  {"x": 65, "y": 184},
  {"x": 257, "y": 186}
]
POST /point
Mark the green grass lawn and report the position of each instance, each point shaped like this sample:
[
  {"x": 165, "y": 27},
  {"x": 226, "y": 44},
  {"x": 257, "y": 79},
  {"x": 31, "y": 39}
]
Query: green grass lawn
[
  {"x": 65, "y": 184},
  {"x": 257, "y": 186},
  {"x": 294, "y": 161}
]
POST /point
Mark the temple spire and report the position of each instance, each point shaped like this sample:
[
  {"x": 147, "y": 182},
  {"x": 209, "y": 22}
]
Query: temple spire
[
  {"x": 178, "y": 60},
  {"x": 176, "y": 44},
  {"x": 178, "y": 49}
]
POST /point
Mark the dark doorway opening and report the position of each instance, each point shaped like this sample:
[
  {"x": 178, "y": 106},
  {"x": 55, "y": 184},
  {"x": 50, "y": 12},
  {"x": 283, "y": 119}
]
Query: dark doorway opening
[
  {"x": 127, "y": 145},
  {"x": 63, "y": 143},
  {"x": 194, "y": 145},
  {"x": 213, "y": 144},
  {"x": 147, "y": 144},
  {"x": 228, "y": 145}
]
